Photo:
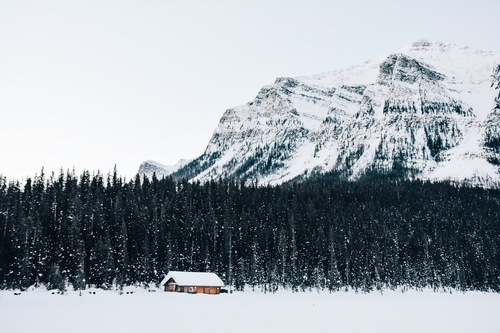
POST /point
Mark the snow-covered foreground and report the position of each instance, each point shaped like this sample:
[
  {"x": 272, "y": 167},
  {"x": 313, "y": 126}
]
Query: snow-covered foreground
[{"x": 142, "y": 311}]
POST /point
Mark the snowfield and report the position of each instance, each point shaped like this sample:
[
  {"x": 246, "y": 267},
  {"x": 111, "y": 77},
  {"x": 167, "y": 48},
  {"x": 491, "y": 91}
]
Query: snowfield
[{"x": 142, "y": 311}]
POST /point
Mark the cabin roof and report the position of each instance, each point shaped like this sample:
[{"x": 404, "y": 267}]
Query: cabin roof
[{"x": 201, "y": 279}]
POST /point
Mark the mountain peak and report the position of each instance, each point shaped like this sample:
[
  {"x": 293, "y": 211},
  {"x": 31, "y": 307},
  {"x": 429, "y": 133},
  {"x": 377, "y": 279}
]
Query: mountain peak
[
  {"x": 150, "y": 167},
  {"x": 424, "y": 111},
  {"x": 425, "y": 44},
  {"x": 427, "y": 48}
]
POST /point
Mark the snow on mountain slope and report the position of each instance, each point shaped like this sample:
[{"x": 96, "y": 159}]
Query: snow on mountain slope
[
  {"x": 149, "y": 167},
  {"x": 429, "y": 109}
]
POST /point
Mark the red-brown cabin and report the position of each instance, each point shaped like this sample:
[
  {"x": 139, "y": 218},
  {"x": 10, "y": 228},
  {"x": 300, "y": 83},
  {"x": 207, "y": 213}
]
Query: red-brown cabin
[{"x": 192, "y": 282}]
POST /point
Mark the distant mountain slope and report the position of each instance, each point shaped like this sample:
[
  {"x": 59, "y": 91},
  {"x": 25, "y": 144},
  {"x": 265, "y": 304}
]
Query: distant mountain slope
[
  {"x": 430, "y": 110},
  {"x": 150, "y": 167}
]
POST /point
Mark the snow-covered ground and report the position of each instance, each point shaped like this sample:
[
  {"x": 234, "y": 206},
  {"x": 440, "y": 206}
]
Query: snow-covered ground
[{"x": 107, "y": 311}]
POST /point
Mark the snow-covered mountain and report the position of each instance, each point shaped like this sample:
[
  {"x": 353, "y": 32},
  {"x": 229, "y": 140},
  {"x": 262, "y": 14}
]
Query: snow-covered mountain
[
  {"x": 150, "y": 167},
  {"x": 431, "y": 110}
]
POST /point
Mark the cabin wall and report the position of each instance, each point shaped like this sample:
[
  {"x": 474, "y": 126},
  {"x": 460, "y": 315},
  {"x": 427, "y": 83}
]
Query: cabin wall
[
  {"x": 197, "y": 289},
  {"x": 170, "y": 288}
]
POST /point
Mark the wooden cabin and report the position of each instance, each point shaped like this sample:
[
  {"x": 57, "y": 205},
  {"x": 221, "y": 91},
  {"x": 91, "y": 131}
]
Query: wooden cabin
[{"x": 192, "y": 282}]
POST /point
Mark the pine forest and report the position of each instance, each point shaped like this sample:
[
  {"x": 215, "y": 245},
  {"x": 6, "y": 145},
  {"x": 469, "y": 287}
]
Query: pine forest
[{"x": 380, "y": 232}]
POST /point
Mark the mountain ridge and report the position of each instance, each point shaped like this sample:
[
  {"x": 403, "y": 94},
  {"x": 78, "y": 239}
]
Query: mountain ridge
[
  {"x": 430, "y": 109},
  {"x": 150, "y": 167}
]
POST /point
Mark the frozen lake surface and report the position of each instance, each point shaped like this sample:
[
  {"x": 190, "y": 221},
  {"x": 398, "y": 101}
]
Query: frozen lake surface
[{"x": 106, "y": 311}]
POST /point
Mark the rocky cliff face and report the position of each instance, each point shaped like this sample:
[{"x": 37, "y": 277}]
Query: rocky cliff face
[
  {"x": 431, "y": 110},
  {"x": 492, "y": 125}
]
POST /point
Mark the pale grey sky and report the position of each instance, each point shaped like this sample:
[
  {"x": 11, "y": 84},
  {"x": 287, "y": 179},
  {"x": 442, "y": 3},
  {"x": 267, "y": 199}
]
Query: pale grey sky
[{"x": 90, "y": 84}]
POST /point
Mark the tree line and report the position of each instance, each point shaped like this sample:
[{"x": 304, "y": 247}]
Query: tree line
[{"x": 327, "y": 233}]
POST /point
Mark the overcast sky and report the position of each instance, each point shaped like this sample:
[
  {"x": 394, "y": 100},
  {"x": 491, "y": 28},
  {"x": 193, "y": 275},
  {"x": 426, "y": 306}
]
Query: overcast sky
[{"x": 90, "y": 84}]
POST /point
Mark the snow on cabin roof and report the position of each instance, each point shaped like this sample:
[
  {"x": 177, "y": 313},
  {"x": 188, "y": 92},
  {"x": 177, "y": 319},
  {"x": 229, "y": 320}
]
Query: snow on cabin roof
[{"x": 201, "y": 279}]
